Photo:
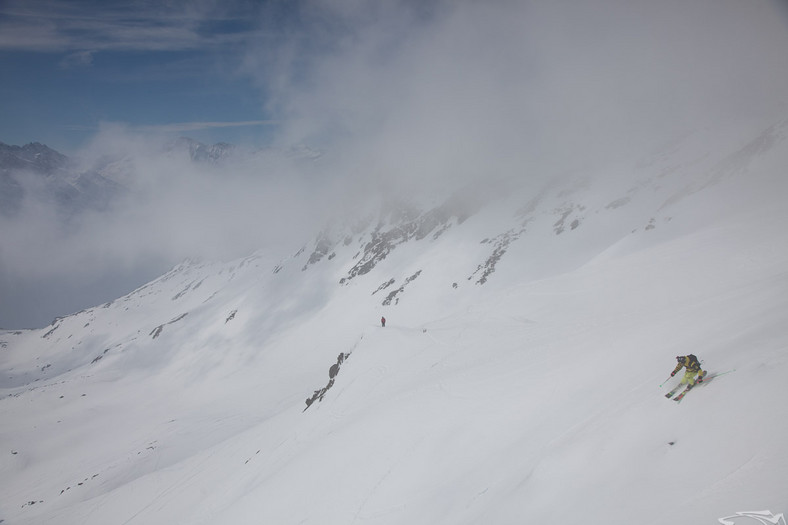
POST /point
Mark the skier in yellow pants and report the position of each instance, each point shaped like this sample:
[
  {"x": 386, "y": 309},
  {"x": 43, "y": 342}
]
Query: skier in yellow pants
[{"x": 692, "y": 365}]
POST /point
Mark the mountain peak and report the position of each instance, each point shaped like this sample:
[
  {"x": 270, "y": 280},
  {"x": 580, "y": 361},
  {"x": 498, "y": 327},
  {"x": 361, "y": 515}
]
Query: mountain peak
[
  {"x": 199, "y": 152},
  {"x": 34, "y": 156}
]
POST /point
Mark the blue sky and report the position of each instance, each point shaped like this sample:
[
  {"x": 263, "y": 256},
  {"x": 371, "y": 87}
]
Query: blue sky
[{"x": 70, "y": 66}]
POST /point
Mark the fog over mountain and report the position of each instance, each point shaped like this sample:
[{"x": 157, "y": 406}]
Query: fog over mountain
[
  {"x": 404, "y": 97},
  {"x": 78, "y": 231}
]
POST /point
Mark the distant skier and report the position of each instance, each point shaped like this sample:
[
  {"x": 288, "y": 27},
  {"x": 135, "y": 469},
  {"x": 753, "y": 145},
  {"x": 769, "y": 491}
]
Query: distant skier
[
  {"x": 692, "y": 365},
  {"x": 383, "y": 322}
]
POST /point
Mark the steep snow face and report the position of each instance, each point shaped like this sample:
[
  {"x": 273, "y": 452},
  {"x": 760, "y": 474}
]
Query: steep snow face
[{"x": 517, "y": 379}]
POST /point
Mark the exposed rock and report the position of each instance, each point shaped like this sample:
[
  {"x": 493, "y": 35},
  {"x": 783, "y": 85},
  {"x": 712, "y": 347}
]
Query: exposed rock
[
  {"x": 333, "y": 371},
  {"x": 156, "y": 332},
  {"x": 393, "y": 295},
  {"x": 501, "y": 244}
]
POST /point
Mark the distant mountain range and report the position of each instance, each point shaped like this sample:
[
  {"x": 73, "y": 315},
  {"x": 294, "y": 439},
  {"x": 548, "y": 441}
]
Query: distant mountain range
[
  {"x": 199, "y": 152},
  {"x": 40, "y": 173},
  {"x": 34, "y": 157}
]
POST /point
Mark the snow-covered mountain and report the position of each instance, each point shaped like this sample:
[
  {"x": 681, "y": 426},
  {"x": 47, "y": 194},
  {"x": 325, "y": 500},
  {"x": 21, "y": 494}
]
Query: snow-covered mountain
[
  {"x": 70, "y": 186},
  {"x": 517, "y": 380},
  {"x": 37, "y": 172},
  {"x": 33, "y": 157},
  {"x": 199, "y": 152}
]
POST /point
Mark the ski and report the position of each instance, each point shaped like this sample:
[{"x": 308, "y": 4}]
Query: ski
[
  {"x": 684, "y": 393},
  {"x": 706, "y": 379},
  {"x": 702, "y": 380},
  {"x": 670, "y": 394}
]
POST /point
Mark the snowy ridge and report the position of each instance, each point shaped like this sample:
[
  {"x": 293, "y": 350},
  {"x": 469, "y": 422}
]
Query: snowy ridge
[{"x": 516, "y": 379}]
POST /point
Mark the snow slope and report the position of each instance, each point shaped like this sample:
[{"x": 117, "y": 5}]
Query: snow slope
[{"x": 517, "y": 379}]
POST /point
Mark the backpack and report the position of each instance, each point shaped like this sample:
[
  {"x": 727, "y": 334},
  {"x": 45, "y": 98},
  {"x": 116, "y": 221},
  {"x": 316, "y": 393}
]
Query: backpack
[{"x": 693, "y": 361}]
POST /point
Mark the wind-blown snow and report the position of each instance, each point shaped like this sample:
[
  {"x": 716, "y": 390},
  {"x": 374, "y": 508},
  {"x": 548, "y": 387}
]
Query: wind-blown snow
[{"x": 531, "y": 397}]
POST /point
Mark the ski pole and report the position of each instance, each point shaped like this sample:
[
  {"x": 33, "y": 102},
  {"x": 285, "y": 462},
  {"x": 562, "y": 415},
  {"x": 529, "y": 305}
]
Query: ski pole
[{"x": 665, "y": 381}]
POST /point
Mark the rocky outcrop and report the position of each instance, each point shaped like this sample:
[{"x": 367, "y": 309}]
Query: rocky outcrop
[
  {"x": 393, "y": 295},
  {"x": 332, "y": 374}
]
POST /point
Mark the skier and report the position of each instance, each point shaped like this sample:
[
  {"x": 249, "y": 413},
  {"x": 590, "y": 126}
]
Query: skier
[
  {"x": 383, "y": 322},
  {"x": 692, "y": 365}
]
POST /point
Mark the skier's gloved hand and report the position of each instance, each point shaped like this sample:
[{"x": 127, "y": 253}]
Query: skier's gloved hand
[
  {"x": 672, "y": 374},
  {"x": 700, "y": 379}
]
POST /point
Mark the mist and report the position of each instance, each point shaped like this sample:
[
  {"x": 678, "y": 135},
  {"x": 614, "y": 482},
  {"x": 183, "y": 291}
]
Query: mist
[
  {"x": 172, "y": 208},
  {"x": 467, "y": 88},
  {"x": 402, "y": 97}
]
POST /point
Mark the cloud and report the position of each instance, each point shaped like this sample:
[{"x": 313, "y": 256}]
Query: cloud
[
  {"x": 185, "y": 127},
  {"x": 173, "y": 209},
  {"x": 162, "y": 130},
  {"x": 532, "y": 86},
  {"x": 77, "y": 60},
  {"x": 55, "y": 26}
]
